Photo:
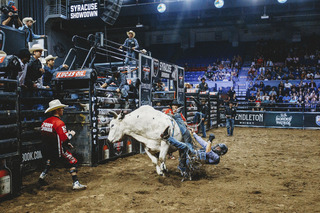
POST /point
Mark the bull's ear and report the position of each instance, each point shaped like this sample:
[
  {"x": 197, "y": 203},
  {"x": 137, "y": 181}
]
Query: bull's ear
[
  {"x": 114, "y": 114},
  {"x": 121, "y": 115}
]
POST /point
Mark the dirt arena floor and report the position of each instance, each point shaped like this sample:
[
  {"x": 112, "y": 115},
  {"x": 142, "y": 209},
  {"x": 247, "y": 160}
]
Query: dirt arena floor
[{"x": 265, "y": 170}]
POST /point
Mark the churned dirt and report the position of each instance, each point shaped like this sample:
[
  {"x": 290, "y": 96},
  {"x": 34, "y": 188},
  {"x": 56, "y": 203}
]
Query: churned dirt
[{"x": 265, "y": 170}]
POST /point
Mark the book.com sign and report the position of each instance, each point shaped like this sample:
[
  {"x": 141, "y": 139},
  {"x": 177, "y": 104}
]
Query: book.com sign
[{"x": 84, "y": 10}]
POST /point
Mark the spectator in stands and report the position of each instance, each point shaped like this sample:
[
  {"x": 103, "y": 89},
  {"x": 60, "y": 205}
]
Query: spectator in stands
[
  {"x": 294, "y": 99},
  {"x": 257, "y": 104},
  {"x": 272, "y": 92},
  {"x": 313, "y": 104},
  {"x": 27, "y": 27},
  {"x": 272, "y": 102},
  {"x": 10, "y": 16},
  {"x": 131, "y": 45},
  {"x": 264, "y": 103},
  {"x": 287, "y": 86},
  {"x": 312, "y": 84},
  {"x": 203, "y": 86},
  {"x": 259, "y": 92},
  {"x": 35, "y": 70},
  {"x": 49, "y": 70},
  {"x": 269, "y": 63},
  {"x": 265, "y": 96},
  {"x": 286, "y": 98},
  {"x": 317, "y": 75}
]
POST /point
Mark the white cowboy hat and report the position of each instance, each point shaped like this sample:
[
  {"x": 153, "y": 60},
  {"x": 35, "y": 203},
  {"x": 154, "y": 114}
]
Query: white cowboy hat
[
  {"x": 133, "y": 33},
  {"x": 36, "y": 47},
  {"x": 28, "y": 19},
  {"x": 2, "y": 54},
  {"x": 55, "y": 104},
  {"x": 144, "y": 51},
  {"x": 42, "y": 60},
  {"x": 50, "y": 57}
]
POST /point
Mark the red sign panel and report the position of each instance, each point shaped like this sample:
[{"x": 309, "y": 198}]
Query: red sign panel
[
  {"x": 2, "y": 59},
  {"x": 71, "y": 74}
]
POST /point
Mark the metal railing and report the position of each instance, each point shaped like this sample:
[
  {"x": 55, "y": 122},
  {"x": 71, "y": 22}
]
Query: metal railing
[
  {"x": 57, "y": 9},
  {"x": 287, "y": 107}
]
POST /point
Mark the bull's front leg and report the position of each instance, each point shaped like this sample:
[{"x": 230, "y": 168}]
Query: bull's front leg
[
  {"x": 162, "y": 156},
  {"x": 154, "y": 160}
]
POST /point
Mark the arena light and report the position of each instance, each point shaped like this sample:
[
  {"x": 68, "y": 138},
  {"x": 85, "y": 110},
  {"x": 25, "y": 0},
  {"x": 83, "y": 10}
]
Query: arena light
[
  {"x": 161, "y": 8},
  {"x": 218, "y": 3},
  {"x": 282, "y": 1}
]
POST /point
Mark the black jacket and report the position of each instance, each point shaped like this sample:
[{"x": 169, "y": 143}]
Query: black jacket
[
  {"x": 204, "y": 109},
  {"x": 231, "y": 111},
  {"x": 33, "y": 72},
  {"x": 203, "y": 86}
]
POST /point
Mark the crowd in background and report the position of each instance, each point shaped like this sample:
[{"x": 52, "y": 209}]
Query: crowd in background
[{"x": 303, "y": 94}]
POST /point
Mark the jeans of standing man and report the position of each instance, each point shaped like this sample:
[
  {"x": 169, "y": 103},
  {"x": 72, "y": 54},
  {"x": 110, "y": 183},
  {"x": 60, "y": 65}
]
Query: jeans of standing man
[
  {"x": 197, "y": 119},
  {"x": 124, "y": 90},
  {"x": 230, "y": 126},
  {"x": 129, "y": 54}
]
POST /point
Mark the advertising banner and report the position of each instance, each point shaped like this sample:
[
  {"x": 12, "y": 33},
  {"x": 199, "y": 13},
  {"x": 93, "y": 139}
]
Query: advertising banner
[
  {"x": 167, "y": 70},
  {"x": 145, "y": 69},
  {"x": 84, "y": 10},
  {"x": 249, "y": 118},
  {"x": 180, "y": 90},
  {"x": 312, "y": 120},
  {"x": 284, "y": 119}
]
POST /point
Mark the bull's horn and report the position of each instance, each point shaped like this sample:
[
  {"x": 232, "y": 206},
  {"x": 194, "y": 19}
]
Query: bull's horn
[{"x": 113, "y": 113}]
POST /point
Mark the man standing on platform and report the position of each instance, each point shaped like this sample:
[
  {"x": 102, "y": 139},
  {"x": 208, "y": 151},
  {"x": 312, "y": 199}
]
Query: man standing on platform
[
  {"x": 203, "y": 86},
  {"x": 230, "y": 116},
  {"x": 27, "y": 27},
  {"x": 131, "y": 45},
  {"x": 49, "y": 70}
]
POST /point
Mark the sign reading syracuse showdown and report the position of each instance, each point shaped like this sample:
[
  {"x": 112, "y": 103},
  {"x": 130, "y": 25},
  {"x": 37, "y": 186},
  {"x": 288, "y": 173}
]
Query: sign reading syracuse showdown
[{"x": 84, "y": 10}]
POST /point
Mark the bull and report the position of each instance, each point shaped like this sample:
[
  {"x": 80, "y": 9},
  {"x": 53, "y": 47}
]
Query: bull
[{"x": 146, "y": 124}]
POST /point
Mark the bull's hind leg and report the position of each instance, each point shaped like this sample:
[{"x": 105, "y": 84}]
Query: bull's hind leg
[
  {"x": 162, "y": 156},
  {"x": 154, "y": 160}
]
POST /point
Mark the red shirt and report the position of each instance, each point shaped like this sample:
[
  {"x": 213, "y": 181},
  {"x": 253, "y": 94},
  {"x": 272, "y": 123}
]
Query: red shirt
[
  {"x": 170, "y": 111},
  {"x": 54, "y": 133}
]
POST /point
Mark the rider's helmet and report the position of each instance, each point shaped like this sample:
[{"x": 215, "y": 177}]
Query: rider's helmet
[{"x": 222, "y": 150}]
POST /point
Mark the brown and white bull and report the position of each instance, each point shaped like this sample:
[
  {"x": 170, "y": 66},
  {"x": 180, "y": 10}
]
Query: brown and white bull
[{"x": 146, "y": 124}]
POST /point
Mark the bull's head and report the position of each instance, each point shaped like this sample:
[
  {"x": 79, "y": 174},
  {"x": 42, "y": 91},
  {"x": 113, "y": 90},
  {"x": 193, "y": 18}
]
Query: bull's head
[{"x": 117, "y": 129}]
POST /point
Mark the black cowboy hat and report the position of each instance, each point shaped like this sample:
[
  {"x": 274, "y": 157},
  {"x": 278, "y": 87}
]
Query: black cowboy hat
[
  {"x": 114, "y": 70},
  {"x": 175, "y": 102},
  {"x": 203, "y": 78},
  {"x": 24, "y": 53}
]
